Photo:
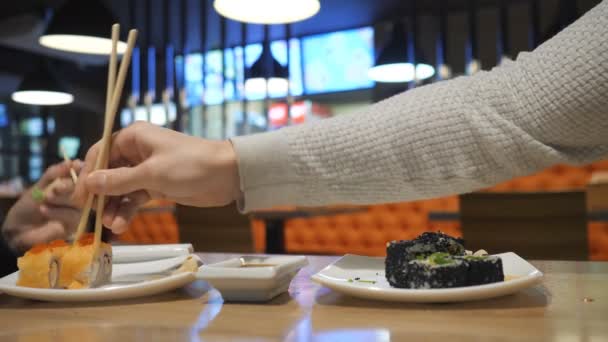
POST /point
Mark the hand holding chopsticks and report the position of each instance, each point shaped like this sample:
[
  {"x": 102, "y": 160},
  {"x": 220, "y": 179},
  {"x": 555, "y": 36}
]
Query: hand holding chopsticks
[{"x": 151, "y": 162}]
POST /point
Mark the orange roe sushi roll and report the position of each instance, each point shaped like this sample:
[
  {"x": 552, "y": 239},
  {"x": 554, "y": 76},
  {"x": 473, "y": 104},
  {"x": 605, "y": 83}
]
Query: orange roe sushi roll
[
  {"x": 39, "y": 268},
  {"x": 81, "y": 269},
  {"x": 58, "y": 248}
]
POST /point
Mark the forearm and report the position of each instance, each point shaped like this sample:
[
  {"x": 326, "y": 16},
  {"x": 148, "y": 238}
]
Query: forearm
[{"x": 452, "y": 137}]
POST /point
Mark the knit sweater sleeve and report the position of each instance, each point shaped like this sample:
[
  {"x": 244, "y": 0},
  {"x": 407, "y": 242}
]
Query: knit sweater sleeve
[{"x": 549, "y": 106}]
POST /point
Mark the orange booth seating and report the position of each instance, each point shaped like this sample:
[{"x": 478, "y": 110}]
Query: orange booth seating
[
  {"x": 367, "y": 232},
  {"x": 155, "y": 223}
]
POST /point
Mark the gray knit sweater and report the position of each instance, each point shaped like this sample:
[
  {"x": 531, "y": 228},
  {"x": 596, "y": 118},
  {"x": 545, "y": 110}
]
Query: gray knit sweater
[{"x": 549, "y": 106}]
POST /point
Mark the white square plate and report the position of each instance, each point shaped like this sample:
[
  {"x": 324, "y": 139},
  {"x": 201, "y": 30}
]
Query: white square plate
[
  {"x": 238, "y": 283},
  {"x": 122, "y": 254},
  {"x": 128, "y": 281},
  {"x": 340, "y": 275}
]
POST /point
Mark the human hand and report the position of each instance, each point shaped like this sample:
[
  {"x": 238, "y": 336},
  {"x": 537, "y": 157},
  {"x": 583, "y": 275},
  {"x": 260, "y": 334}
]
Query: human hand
[
  {"x": 149, "y": 162},
  {"x": 50, "y": 215}
]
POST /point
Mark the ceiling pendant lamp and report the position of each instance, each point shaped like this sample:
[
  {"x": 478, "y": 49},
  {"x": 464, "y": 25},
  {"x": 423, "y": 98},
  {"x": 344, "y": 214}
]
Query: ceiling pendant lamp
[
  {"x": 81, "y": 27},
  {"x": 267, "y": 11},
  {"x": 266, "y": 74},
  {"x": 41, "y": 89},
  {"x": 392, "y": 65}
]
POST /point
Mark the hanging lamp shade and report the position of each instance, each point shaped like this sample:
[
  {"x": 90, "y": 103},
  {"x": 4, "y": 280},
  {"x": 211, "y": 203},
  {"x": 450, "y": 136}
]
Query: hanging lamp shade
[
  {"x": 40, "y": 88},
  {"x": 266, "y": 73},
  {"x": 267, "y": 11},
  {"x": 81, "y": 27},
  {"x": 392, "y": 65}
]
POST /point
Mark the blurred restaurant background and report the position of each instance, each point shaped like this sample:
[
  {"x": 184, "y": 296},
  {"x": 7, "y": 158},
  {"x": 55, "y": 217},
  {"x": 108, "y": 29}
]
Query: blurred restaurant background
[{"x": 216, "y": 76}]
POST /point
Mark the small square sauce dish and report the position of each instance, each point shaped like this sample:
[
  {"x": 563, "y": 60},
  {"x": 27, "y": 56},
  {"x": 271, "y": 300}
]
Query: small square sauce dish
[{"x": 252, "y": 278}]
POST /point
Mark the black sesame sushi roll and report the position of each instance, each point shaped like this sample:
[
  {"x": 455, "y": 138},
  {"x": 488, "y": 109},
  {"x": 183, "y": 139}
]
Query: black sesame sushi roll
[
  {"x": 483, "y": 269},
  {"x": 400, "y": 253},
  {"x": 442, "y": 243},
  {"x": 438, "y": 270}
]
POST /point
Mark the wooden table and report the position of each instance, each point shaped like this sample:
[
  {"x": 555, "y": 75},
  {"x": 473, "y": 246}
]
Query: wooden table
[{"x": 555, "y": 311}]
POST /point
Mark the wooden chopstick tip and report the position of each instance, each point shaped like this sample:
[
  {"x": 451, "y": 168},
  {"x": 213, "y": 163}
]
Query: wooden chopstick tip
[
  {"x": 132, "y": 35},
  {"x": 115, "y": 31},
  {"x": 69, "y": 161}
]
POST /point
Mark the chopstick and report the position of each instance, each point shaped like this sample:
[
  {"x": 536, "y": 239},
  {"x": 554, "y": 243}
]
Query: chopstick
[
  {"x": 111, "y": 79},
  {"x": 107, "y": 127},
  {"x": 67, "y": 160},
  {"x": 112, "y": 101}
]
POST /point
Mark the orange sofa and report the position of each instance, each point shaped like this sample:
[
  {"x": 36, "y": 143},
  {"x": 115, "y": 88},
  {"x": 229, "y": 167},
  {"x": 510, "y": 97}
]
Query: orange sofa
[
  {"x": 367, "y": 232},
  {"x": 154, "y": 224}
]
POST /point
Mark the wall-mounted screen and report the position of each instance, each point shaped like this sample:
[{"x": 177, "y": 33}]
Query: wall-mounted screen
[
  {"x": 330, "y": 62},
  {"x": 70, "y": 145},
  {"x": 158, "y": 114},
  {"x": 338, "y": 61},
  {"x": 3, "y": 116},
  {"x": 193, "y": 78}
]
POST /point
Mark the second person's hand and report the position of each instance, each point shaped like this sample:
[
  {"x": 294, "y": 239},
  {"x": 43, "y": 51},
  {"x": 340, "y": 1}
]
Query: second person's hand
[
  {"x": 33, "y": 219},
  {"x": 150, "y": 162}
]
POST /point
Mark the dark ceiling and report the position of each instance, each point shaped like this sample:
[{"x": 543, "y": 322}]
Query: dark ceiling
[
  {"x": 334, "y": 15},
  {"x": 159, "y": 21}
]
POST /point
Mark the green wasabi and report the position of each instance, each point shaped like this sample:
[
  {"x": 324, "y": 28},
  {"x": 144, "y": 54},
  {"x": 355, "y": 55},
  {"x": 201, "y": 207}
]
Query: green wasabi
[{"x": 37, "y": 194}]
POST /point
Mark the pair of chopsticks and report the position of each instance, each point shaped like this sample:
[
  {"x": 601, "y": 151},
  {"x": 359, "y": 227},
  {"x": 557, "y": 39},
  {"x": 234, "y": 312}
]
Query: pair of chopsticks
[{"x": 113, "y": 94}]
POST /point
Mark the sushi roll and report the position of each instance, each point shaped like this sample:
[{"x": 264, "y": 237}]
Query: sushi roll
[
  {"x": 400, "y": 253},
  {"x": 438, "y": 270},
  {"x": 58, "y": 248},
  {"x": 442, "y": 243},
  {"x": 39, "y": 268},
  {"x": 483, "y": 269},
  {"x": 425, "y": 244},
  {"x": 80, "y": 268}
]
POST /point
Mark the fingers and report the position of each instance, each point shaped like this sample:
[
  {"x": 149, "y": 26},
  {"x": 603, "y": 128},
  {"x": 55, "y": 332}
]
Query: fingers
[
  {"x": 120, "y": 211},
  {"x": 124, "y": 150},
  {"x": 66, "y": 215},
  {"x": 51, "y": 230},
  {"x": 127, "y": 143},
  {"x": 80, "y": 192},
  {"x": 56, "y": 171},
  {"x": 119, "y": 181},
  {"x": 110, "y": 210},
  {"x": 59, "y": 193},
  {"x": 128, "y": 146},
  {"x": 77, "y": 165}
]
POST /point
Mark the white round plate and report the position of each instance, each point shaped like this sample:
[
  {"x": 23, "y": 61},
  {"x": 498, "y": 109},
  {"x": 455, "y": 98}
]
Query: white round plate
[
  {"x": 128, "y": 281},
  {"x": 372, "y": 284}
]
